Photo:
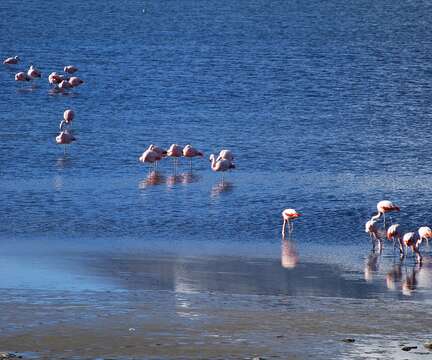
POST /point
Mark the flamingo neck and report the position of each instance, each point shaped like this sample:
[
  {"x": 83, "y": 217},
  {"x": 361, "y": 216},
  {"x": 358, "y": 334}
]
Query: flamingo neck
[{"x": 376, "y": 217}]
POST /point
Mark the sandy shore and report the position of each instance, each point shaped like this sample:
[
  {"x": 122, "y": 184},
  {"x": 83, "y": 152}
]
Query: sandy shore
[{"x": 140, "y": 306}]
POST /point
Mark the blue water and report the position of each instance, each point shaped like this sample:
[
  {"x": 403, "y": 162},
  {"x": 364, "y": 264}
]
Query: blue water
[{"x": 325, "y": 104}]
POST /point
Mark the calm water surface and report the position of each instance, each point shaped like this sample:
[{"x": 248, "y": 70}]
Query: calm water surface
[{"x": 326, "y": 106}]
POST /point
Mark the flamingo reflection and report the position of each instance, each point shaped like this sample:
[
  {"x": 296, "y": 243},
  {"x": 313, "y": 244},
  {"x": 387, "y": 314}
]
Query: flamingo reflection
[
  {"x": 221, "y": 187},
  {"x": 394, "y": 276},
  {"x": 189, "y": 178},
  {"x": 153, "y": 178},
  {"x": 289, "y": 255},
  {"x": 372, "y": 265},
  {"x": 410, "y": 282}
]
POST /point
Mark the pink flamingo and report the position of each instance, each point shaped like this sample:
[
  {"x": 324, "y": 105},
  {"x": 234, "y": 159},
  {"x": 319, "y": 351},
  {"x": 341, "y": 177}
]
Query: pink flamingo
[
  {"x": 55, "y": 79},
  {"x": 393, "y": 234},
  {"x": 372, "y": 230},
  {"x": 425, "y": 233},
  {"x": 175, "y": 151},
  {"x": 190, "y": 152},
  {"x": 288, "y": 215},
  {"x": 33, "y": 73},
  {"x": 66, "y": 123},
  {"x": 161, "y": 153},
  {"x": 11, "y": 60},
  {"x": 221, "y": 165},
  {"x": 75, "y": 81},
  {"x": 384, "y": 207},
  {"x": 22, "y": 76},
  {"x": 64, "y": 85},
  {"x": 65, "y": 138},
  {"x": 225, "y": 154},
  {"x": 70, "y": 69},
  {"x": 149, "y": 156},
  {"x": 410, "y": 241}
]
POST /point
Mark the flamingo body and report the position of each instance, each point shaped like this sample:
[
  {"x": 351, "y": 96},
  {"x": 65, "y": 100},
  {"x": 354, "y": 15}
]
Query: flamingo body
[
  {"x": 221, "y": 165},
  {"x": 149, "y": 156},
  {"x": 22, "y": 76},
  {"x": 385, "y": 206},
  {"x": 11, "y": 60},
  {"x": 54, "y": 78},
  {"x": 288, "y": 215},
  {"x": 190, "y": 152},
  {"x": 225, "y": 154},
  {"x": 425, "y": 233},
  {"x": 75, "y": 81},
  {"x": 70, "y": 69},
  {"x": 33, "y": 72},
  {"x": 65, "y": 138}
]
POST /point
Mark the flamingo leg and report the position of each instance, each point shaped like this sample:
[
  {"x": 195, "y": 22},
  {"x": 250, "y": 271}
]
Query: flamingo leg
[
  {"x": 64, "y": 149},
  {"x": 283, "y": 228}
]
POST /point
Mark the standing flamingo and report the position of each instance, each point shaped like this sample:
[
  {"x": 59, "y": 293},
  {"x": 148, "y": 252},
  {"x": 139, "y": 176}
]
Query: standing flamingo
[
  {"x": 175, "y": 151},
  {"x": 190, "y": 152},
  {"x": 425, "y": 233},
  {"x": 33, "y": 73},
  {"x": 55, "y": 79},
  {"x": 221, "y": 165},
  {"x": 394, "y": 235},
  {"x": 384, "y": 207},
  {"x": 372, "y": 230},
  {"x": 11, "y": 60},
  {"x": 65, "y": 138},
  {"x": 288, "y": 215},
  {"x": 22, "y": 76},
  {"x": 149, "y": 156},
  {"x": 410, "y": 241},
  {"x": 75, "y": 81},
  {"x": 161, "y": 153}
]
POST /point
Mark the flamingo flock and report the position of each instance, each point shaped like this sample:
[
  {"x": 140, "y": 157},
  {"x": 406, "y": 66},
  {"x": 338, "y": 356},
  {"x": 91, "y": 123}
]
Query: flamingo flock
[{"x": 403, "y": 240}]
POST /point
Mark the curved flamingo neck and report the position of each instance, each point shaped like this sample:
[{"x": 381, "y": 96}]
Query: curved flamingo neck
[
  {"x": 377, "y": 216},
  {"x": 213, "y": 161}
]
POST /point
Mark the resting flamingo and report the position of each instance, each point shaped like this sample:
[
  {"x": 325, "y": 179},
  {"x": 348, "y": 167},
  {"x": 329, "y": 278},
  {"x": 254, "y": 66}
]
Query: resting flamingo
[
  {"x": 33, "y": 73},
  {"x": 175, "y": 151},
  {"x": 190, "y": 152},
  {"x": 22, "y": 76},
  {"x": 288, "y": 215},
  {"x": 70, "y": 69},
  {"x": 384, "y": 207},
  {"x": 149, "y": 156},
  {"x": 11, "y": 60},
  {"x": 65, "y": 138},
  {"x": 75, "y": 81},
  {"x": 161, "y": 153}
]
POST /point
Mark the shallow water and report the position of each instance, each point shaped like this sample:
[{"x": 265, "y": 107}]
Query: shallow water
[{"x": 325, "y": 106}]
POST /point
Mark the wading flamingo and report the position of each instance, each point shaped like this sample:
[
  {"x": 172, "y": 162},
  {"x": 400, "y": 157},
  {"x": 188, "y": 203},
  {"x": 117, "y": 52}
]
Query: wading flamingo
[
  {"x": 288, "y": 215},
  {"x": 22, "y": 76},
  {"x": 70, "y": 69},
  {"x": 149, "y": 157},
  {"x": 33, "y": 73},
  {"x": 65, "y": 138},
  {"x": 372, "y": 230},
  {"x": 11, "y": 60},
  {"x": 221, "y": 165},
  {"x": 160, "y": 152},
  {"x": 175, "y": 151},
  {"x": 190, "y": 152},
  {"x": 394, "y": 235},
  {"x": 384, "y": 207},
  {"x": 75, "y": 81},
  {"x": 425, "y": 233},
  {"x": 410, "y": 241}
]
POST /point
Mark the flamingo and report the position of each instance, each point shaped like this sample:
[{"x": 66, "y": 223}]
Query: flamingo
[
  {"x": 70, "y": 69},
  {"x": 65, "y": 138},
  {"x": 425, "y": 233},
  {"x": 393, "y": 234},
  {"x": 160, "y": 152},
  {"x": 225, "y": 154},
  {"x": 11, "y": 60},
  {"x": 175, "y": 151},
  {"x": 190, "y": 152},
  {"x": 55, "y": 79},
  {"x": 75, "y": 81},
  {"x": 22, "y": 76},
  {"x": 410, "y": 241},
  {"x": 149, "y": 156},
  {"x": 33, "y": 73},
  {"x": 384, "y": 207},
  {"x": 66, "y": 123},
  {"x": 221, "y": 165},
  {"x": 288, "y": 215}
]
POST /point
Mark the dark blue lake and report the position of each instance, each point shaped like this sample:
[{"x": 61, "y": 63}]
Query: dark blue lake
[{"x": 325, "y": 104}]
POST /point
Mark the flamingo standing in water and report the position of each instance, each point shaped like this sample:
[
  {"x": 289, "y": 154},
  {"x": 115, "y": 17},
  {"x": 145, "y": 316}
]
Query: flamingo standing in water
[
  {"x": 65, "y": 137},
  {"x": 11, "y": 60},
  {"x": 288, "y": 215},
  {"x": 425, "y": 233},
  {"x": 161, "y": 153},
  {"x": 149, "y": 156},
  {"x": 75, "y": 81},
  {"x": 55, "y": 79},
  {"x": 372, "y": 230},
  {"x": 175, "y": 151},
  {"x": 394, "y": 235},
  {"x": 22, "y": 76},
  {"x": 221, "y": 165},
  {"x": 33, "y": 73},
  {"x": 190, "y": 152},
  {"x": 384, "y": 207},
  {"x": 410, "y": 241}
]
